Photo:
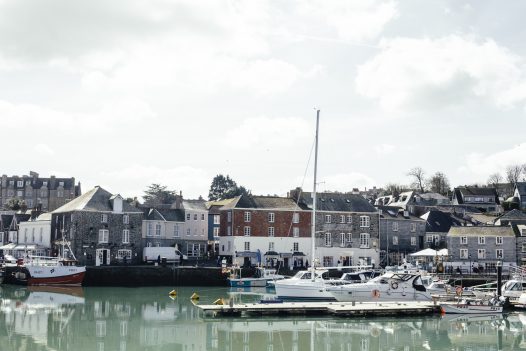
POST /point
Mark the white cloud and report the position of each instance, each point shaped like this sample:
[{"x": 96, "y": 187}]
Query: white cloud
[
  {"x": 480, "y": 166},
  {"x": 384, "y": 149},
  {"x": 44, "y": 149},
  {"x": 426, "y": 73},
  {"x": 133, "y": 180},
  {"x": 264, "y": 132}
]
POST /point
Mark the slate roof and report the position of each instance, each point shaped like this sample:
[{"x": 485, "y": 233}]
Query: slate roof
[
  {"x": 482, "y": 231},
  {"x": 390, "y": 212},
  {"x": 439, "y": 222},
  {"x": 270, "y": 202},
  {"x": 513, "y": 215},
  {"x": 338, "y": 202},
  {"x": 432, "y": 196},
  {"x": 95, "y": 200},
  {"x": 169, "y": 215},
  {"x": 196, "y": 205},
  {"x": 521, "y": 187}
]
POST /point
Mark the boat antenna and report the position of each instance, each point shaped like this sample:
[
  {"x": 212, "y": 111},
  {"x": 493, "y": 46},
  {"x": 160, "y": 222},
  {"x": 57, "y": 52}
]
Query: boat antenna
[{"x": 313, "y": 229}]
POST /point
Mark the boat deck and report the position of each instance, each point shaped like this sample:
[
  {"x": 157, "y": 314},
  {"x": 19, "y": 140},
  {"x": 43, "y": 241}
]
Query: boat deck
[{"x": 324, "y": 308}]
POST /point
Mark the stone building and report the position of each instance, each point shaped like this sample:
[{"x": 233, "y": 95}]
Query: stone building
[
  {"x": 484, "y": 199},
  {"x": 46, "y": 193},
  {"x": 101, "y": 228},
  {"x": 163, "y": 226},
  {"x": 400, "y": 234}
]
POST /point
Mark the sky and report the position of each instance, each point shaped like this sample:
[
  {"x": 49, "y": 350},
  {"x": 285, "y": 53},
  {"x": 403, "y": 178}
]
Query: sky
[{"x": 127, "y": 93}]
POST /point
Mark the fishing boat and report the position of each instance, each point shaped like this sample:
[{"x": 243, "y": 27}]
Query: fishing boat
[
  {"x": 473, "y": 306},
  {"x": 387, "y": 287},
  {"x": 262, "y": 278}
]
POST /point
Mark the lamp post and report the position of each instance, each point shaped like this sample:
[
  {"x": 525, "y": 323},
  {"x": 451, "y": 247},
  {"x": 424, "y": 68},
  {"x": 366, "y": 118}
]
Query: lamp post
[{"x": 470, "y": 264}]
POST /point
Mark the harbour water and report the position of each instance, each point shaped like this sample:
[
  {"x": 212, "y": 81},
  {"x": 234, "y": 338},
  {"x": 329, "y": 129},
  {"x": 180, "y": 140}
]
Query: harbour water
[{"x": 126, "y": 319}]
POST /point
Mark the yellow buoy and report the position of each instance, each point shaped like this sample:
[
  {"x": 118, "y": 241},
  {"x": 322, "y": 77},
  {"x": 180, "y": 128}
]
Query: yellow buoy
[
  {"x": 172, "y": 293},
  {"x": 194, "y": 296},
  {"x": 219, "y": 302}
]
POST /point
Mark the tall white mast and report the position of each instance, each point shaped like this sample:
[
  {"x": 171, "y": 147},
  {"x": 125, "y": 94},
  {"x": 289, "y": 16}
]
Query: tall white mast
[{"x": 313, "y": 228}]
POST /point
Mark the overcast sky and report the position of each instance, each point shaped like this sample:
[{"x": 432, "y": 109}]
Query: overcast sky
[{"x": 126, "y": 93}]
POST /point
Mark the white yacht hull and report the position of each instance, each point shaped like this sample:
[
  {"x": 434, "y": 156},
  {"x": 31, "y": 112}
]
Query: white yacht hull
[
  {"x": 348, "y": 294},
  {"x": 302, "y": 290}
]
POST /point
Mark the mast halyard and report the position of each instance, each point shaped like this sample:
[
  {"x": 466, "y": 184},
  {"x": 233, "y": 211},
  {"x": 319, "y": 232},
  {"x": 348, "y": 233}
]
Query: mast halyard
[{"x": 313, "y": 228}]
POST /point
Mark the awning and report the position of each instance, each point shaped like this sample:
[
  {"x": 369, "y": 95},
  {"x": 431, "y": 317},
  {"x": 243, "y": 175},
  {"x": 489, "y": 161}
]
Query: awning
[
  {"x": 26, "y": 247},
  {"x": 9, "y": 246},
  {"x": 271, "y": 253},
  {"x": 286, "y": 254},
  {"x": 298, "y": 254},
  {"x": 426, "y": 252},
  {"x": 246, "y": 254}
]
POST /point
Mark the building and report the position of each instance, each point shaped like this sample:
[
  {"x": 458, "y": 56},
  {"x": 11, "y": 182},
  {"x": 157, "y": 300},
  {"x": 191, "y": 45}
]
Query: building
[
  {"x": 400, "y": 234},
  {"x": 265, "y": 229},
  {"x": 163, "y": 226},
  {"x": 214, "y": 221},
  {"x": 34, "y": 237},
  {"x": 46, "y": 193},
  {"x": 520, "y": 193},
  {"x": 473, "y": 248},
  {"x": 484, "y": 199},
  {"x": 102, "y": 229},
  {"x": 347, "y": 228},
  {"x": 196, "y": 228},
  {"x": 437, "y": 226}
]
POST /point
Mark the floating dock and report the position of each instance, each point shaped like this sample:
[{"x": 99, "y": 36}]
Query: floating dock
[{"x": 344, "y": 309}]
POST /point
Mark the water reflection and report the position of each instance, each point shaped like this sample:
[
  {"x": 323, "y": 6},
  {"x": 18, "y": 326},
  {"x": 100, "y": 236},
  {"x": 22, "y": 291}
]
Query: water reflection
[{"x": 147, "y": 319}]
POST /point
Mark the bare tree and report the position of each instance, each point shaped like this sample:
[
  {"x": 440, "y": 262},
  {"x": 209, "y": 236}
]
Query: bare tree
[
  {"x": 494, "y": 179},
  {"x": 438, "y": 183},
  {"x": 514, "y": 173},
  {"x": 418, "y": 178},
  {"x": 394, "y": 189}
]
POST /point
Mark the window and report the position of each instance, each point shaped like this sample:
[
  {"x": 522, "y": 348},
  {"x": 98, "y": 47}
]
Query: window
[
  {"x": 125, "y": 236},
  {"x": 104, "y": 235},
  {"x": 413, "y": 241},
  {"x": 104, "y": 218},
  {"x": 295, "y": 217},
  {"x": 523, "y": 247},
  {"x": 229, "y": 217},
  {"x": 216, "y": 232},
  {"x": 217, "y": 219},
  {"x": 149, "y": 232},
  {"x": 395, "y": 239},
  {"x": 482, "y": 240},
  {"x": 188, "y": 232},
  {"x": 498, "y": 240},
  {"x": 271, "y": 217},
  {"x": 41, "y": 234},
  {"x": 365, "y": 221},
  {"x": 229, "y": 231},
  {"x": 126, "y": 219},
  {"x": 328, "y": 239},
  {"x": 19, "y": 193},
  {"x": 11, "y": 182},
  {"x": 247, "y": 245},
  {"x": 246, "y": 231},
  {"x": 202, "y": 216},
  {"x": 413, "y": 227},
  {"x": 327, "y": 261},
  {"x": 20, "y": 183},
  {"x": 271, "y": 246},
  {"x": 429, "y": 238},
  {"x": 463, "y": 240},
  {"x": 60, "y": 193},
  {"x": 349, "y": 238},
  {"x": 342, "y": 218},
  {"x": 499, "y": 254},
  {"x": 176, "y": 230},
  {"x": 270, "y": 231},
  {"x": 349, "y": 219},
  {"x": 328, "y": 218},
  {"x": 464, "y": 254},
  {"x": 295, "y": 232},
  {"x": 121, "y": 254},
  {"x": 188, "y": 216},
  {"x": 481, "y": 253},
  {"x": 523, "y": 232},
  {"x": 395, "y": 226},
  {"x": 157, "y": 229},
  {"x": 295, "y": 247},
  {"x": 364, "y": 240},
  {"x": 247, "y": 216},
  {"x": 342, "y": 239},
  {"x": 195, "y": 216}
]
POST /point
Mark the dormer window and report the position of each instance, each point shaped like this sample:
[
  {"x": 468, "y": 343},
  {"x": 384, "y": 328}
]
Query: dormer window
[
  {"x": 61, "y": 184},
  {"x": 20, "y": 183}
]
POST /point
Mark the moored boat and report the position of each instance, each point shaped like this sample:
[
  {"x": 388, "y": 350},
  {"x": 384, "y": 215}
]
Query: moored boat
[
  {"x": 472, "y": 307},
  {"x": 261, "y": 279},
  {"x": 40, "y": 270}
]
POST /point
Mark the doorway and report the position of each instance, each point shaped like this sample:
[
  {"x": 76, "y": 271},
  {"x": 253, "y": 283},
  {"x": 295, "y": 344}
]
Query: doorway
[{"x": 102, "y": 257}]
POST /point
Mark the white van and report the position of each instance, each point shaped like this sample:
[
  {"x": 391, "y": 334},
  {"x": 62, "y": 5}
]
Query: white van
[{"x": 155, "y": 253}]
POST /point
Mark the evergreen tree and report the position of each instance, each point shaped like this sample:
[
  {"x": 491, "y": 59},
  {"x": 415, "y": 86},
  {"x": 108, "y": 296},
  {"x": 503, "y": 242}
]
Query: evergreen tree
[
  {"x": 224, "y": 187},
  {"x": 157, "y": 194}
]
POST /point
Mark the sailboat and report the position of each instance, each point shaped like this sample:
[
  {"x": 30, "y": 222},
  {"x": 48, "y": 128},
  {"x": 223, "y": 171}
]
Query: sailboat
[{"x": 307, "y": 285}]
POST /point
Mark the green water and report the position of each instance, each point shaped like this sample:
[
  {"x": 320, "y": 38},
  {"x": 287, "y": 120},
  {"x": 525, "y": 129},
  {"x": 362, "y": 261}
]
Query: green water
[{"x": 121, "y": 319}]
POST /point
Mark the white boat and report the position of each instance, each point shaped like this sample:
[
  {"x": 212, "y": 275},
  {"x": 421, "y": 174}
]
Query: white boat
[
  {"x": 302, "y": 286},
  {"x": 388, "y": 287},
  {"x": 436, "y": 286},
  {"x": 261, "y": 279},
  {"x": 472, "y": 307}
]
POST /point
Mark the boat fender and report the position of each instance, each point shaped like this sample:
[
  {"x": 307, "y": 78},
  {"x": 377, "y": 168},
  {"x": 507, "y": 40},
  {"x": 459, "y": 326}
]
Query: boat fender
[
  {"x": 194, "y": 296},
  {"x": 219, "y": 302},
  {"x": 394, "y": 285},
  {"x": 172, "y": 293},
  {"x": 458, "y": 290}
]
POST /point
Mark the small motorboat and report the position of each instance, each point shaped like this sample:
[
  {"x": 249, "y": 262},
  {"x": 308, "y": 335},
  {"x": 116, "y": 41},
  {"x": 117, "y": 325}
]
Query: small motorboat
[
  {"x": 473, "y": 306},
  {"x": 261, "y": 279}
]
